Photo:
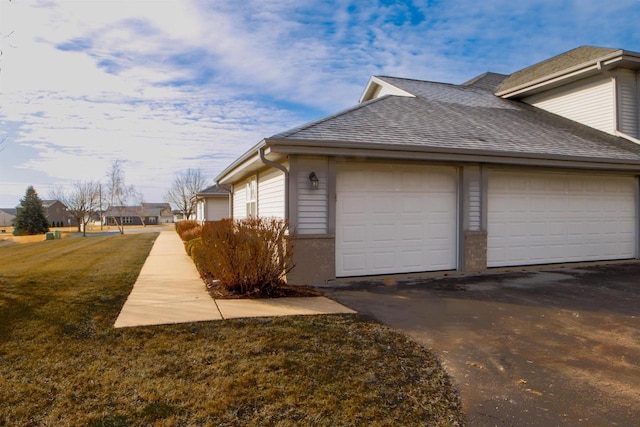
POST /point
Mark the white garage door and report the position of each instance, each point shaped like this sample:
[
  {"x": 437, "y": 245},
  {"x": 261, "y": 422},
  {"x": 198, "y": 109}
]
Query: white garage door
[
  {"x": 537, "y": 218},
  {"x": 395, "y": 219}
]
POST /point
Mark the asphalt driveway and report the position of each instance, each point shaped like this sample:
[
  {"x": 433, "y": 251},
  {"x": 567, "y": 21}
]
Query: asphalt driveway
[{"x": 545, "y": 348}]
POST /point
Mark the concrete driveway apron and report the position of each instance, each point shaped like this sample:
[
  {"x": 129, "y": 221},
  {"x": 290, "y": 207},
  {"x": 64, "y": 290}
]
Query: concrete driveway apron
[{"x": 546, "y": 348}]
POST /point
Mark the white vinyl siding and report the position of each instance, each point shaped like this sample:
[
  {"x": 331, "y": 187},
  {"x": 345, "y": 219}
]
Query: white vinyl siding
[
  {"x": 240, "y": 200},
  {"x": 395, "y": 219},
  {"x": 627, "y": 83},
  {"x": 590, "y": 101},
  {"x": 540, "y": 218},
  {"x": 312, "y": 204},
  {"x": 474, "y": 204},
  {"x": 216, "y": 208},
  {"x": 271, "y": 194}
]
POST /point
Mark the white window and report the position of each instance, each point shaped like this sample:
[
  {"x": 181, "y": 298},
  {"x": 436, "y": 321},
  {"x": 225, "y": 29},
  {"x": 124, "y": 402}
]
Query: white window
[
  {"x": 127, "y": 220},
  {"x": 252, "y": 197}
]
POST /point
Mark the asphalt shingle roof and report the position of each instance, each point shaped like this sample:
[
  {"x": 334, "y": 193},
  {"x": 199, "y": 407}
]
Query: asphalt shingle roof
[
  {"x": 578, "y": 56},
  {"x": 488, "y": 81},
  {"x": 446, "y": 116},
  {"x": 213, "y": 190}
]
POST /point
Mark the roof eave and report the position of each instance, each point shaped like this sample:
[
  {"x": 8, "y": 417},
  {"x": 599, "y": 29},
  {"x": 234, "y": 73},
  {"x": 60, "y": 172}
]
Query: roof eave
[
  {"x": 246, "y": 164},
  {"x": 568, "y": 75},
  {"x": 248, "y": 157},
  {"x": 412, "y": 152}
]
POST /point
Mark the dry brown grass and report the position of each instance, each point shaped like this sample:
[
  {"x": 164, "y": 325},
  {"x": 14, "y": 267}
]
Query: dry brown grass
[{"x": 62, "y": 363}]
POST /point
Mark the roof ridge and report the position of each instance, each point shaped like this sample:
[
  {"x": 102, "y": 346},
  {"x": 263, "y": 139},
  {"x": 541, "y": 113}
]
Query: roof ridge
[{"x": 417, "y": 80}]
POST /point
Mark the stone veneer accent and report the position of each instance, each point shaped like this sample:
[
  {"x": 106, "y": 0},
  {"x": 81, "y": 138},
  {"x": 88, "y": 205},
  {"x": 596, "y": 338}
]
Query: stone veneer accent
[
  {"x": 475, "y": 251},
  {"x": 314, "y": 258}
]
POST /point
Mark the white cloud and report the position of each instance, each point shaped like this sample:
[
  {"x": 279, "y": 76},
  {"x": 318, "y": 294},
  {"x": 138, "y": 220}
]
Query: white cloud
[{"x": 174, "y": 84}]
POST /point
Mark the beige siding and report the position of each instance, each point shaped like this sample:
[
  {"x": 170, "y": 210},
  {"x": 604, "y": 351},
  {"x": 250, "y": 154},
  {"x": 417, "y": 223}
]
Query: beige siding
[
  {"x": 312, "y": 204},
  {"x": 271, "y": 193},
  {"x": 217, "y": 208},
  {"x": 590, "y": 101},
  {"x": 239, "y": 200},
  {"x": 6, "y": 219},
  {"x": 627, "y": 83}
]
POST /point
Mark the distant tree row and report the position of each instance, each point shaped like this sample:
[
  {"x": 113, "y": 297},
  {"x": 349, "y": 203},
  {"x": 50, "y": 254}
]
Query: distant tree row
[
  {"x": 86, "y": 199},
  {"x": 83, "y": 199}
]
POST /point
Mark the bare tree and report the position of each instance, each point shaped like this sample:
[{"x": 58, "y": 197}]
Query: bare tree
[
  {"x": 182, "y": 193},
  {"x": 81, "y": 201},
  {"x": 119, "y": 193},
  {"x": 140, "y": 210}
]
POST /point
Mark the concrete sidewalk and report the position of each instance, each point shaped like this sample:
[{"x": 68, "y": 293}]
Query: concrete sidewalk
[{"x": 170, "y": 290}]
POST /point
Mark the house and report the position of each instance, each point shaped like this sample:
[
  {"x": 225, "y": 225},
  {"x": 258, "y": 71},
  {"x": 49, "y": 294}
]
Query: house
[
  {"x": 161, "y": 210},
  {"x": 537, "y": 167},
  {"x": 143, "y": 214},
  {"x": 212, "y": 204},
  {"x": 7, "y": 215},
  {"x": 57, "y": 214},
  {"x": 178, "y": 215}
]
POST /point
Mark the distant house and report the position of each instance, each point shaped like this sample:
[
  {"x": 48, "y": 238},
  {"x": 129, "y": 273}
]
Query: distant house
[
  {"x": 144, "y": 214},
  {"x": 212, "y": 204},
  {"x": 178, "y": 215},
  {"x": 57, "y": 214},
  {"x": 163, "y": 210},
  {"x": 7, "y": 215}
]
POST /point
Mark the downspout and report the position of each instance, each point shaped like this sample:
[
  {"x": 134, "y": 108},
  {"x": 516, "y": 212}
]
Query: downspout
[{"x": 286, "y": 179}]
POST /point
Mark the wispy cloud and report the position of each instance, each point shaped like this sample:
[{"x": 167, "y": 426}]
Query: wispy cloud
[{"x": 195, "y": 83}]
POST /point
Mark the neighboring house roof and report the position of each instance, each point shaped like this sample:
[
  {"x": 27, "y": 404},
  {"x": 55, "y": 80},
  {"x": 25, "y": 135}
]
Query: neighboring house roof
[
  {"x": 213, "y": 191},
  {"x": 10, "y": 211},
  {"x": 457, "y": 118},
  {"x": 48, "y": 203},
  {"x": 146, "y": 209},
  {"x": 161, "y": 205}
]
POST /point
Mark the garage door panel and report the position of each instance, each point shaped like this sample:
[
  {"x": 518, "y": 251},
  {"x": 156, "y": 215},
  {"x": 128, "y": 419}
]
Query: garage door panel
[
  {"x": 559, "y": 218},
  {"x": 405, "y": 211},
  {"x": 354, "y": 234}
]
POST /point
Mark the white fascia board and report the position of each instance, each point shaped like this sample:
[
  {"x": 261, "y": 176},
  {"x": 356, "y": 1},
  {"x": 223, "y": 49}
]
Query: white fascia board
[
  {"x": 393, "y": 152},
  {"x": 391, "y": 89},
  {"x": 562, "y": 77},
  {"x": 247, "y": 164},
  {"x": 239, "y": 165}
]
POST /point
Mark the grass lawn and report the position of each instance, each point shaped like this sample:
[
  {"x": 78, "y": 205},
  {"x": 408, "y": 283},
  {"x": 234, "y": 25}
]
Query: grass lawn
[{"x": 62, "y": 363}]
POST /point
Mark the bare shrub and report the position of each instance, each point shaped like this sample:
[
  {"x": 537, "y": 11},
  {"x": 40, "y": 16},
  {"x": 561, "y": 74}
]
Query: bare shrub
[
  {"x": 249, "y": 256},
  {"x": 183, "y": 227},
  {"x": 192, "y": 233},
  {"x": 191, "y": 245}
]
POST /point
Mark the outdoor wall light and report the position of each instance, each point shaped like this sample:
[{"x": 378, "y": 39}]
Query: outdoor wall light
[{"x": 314, "y": 181}]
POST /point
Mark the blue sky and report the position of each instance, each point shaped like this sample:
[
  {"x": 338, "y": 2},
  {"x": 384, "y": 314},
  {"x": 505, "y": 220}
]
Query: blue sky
[{"x": 171, "y": 85}]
